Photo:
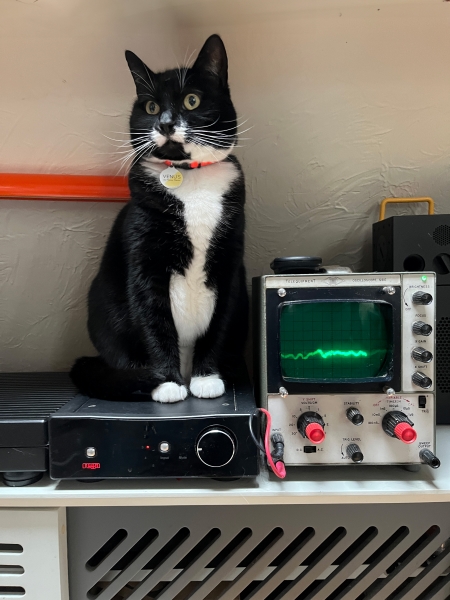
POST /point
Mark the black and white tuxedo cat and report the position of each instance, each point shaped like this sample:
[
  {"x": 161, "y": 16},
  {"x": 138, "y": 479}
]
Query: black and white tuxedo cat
[{"x": 168, "y": 307}]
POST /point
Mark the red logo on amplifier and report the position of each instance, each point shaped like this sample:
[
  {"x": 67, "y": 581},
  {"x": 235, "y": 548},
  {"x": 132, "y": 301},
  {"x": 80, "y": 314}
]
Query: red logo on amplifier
[{"x": 91, "y": 466}]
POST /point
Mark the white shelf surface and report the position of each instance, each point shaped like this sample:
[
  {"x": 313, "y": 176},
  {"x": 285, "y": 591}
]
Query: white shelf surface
[{"x": 316, "y": 485}]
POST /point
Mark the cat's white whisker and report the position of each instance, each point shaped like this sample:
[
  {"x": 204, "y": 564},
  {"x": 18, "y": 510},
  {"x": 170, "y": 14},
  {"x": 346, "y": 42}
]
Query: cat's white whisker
[
  {"x": 132, "y": 150},
  {"x": 135, "y": 154},
  {"x": 245, "y": 130},
  {"x": 212, "y": 140},
  {"x": 220, "y": 130},
  {"x": 151, "y": 88},
  {"x": 217, "y": 147},
  {"x": 206, "y": 151},
  {"x": 129, "y": 144},
  {"x": 182, "y": 71},
  {"x": 183, "y": 74},
  {"x": 124, "y": 143},
  {"x": 209, "y": 124},
  {"x": 178, "y": 72},
  {"x": 189, "y": 62},
  {"x": 116, "y": 140},
  {"x": 215, "y": 140},
  {"x": 212, "y": 133}
]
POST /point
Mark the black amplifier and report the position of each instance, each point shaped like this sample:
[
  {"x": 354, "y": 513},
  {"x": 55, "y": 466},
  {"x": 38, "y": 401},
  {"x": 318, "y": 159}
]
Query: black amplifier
[
  {"x": 26, "y": 402},
  {"x": 98, "y": 439}
]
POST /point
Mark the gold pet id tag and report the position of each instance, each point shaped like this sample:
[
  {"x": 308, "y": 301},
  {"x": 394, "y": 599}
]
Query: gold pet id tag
[{"x": 171, "y": 178}]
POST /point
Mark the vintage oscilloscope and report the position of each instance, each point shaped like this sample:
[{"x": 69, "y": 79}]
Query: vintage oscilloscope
[{"x": 344, "y": 363}]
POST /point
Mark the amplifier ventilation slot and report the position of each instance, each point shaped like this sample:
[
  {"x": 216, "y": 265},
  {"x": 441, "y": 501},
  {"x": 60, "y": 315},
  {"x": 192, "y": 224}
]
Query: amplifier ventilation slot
[
  {"x": 443, "y": 354},
  {"x": 441, "y": 235}
]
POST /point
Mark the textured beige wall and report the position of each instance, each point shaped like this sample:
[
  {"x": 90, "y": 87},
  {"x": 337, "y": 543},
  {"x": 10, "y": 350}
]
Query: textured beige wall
[{"x": 349, "y": 102}]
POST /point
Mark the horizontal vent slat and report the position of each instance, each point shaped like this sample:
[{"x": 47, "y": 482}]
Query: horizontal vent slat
[{"x": 33, "y": 395}]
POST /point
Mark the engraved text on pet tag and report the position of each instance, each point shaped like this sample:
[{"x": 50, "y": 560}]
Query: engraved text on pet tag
[{"x": 171, "y": 177}]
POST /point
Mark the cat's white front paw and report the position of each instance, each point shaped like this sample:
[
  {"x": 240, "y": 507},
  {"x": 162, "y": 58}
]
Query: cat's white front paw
[
  {"x": 209, "y": 386},
  {"x": 169, "y": 391}
]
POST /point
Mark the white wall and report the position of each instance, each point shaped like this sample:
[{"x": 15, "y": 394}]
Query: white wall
[{"x": 349, "y": 102}]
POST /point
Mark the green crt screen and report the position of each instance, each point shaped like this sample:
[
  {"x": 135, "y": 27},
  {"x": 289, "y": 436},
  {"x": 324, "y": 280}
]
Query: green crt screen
[{"x": 335, "y": 341}]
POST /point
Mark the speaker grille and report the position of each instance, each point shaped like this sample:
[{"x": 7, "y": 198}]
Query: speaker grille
[
  {"x": 441, "y": 235},
  {"x": 443, "y": 354}
]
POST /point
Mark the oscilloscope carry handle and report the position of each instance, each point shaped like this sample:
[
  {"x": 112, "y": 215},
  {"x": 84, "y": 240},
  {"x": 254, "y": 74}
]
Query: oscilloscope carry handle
[{"x": 430, "y": 202}]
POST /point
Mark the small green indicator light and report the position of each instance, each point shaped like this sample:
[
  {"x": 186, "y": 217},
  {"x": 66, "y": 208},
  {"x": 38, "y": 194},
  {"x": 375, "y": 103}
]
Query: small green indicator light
[{"x": 424, "y": 277}]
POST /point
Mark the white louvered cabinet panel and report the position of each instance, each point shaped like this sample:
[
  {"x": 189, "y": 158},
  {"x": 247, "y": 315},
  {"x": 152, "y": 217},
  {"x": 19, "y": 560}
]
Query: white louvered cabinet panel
[{"x": 33, "y": 554}]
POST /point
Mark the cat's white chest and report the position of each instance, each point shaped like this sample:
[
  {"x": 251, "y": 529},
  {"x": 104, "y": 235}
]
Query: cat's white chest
[{"x": 192, "y": 302}]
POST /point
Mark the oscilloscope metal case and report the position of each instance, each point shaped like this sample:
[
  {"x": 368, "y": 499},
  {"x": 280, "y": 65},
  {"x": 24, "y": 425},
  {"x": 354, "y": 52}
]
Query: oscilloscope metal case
[{"x": 365, "y": 287}]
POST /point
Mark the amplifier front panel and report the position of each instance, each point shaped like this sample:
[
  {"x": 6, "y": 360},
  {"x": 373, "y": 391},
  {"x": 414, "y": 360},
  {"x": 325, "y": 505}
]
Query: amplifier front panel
[{"x": 95, "y": 448}]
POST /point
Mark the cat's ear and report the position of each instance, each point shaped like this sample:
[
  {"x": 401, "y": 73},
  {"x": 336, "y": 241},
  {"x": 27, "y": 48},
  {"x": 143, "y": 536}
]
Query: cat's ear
[
  {"x": 142, "y": 75},
  {"x": 213, "y": 58}
]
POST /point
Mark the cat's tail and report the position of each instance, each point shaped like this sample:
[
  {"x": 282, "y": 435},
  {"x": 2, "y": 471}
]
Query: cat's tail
[{"x": 95, "y": 378}]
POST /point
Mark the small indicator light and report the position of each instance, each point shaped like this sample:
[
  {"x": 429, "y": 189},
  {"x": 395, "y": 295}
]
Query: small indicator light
[
  {"x": 147, "y": 447},
  {"x": 424, "y": 277}
]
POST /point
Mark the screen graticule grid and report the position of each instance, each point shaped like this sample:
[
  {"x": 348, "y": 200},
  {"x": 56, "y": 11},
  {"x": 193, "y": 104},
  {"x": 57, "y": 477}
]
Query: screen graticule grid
[{"x": 333, "y": 340}]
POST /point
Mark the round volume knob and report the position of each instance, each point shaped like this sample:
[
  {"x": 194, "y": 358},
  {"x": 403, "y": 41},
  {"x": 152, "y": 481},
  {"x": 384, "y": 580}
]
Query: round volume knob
[
  {"x": 421, "y": 328},
  {"x": 397, "y": 424},
  {"x": 215, "y": 447},
  {"x": 354, "y": 416},
  {"x": 422, "y": 355},
  {"x": 311, "y": 425},
  {"x": 421, "y": 380},
  {"x": 422, "y": 298},
  {"x": 354, "y": 452}
]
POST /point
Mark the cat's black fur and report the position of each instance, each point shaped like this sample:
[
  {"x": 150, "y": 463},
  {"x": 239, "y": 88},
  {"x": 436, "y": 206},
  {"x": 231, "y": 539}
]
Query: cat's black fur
[{"x": 130, "y": 321}]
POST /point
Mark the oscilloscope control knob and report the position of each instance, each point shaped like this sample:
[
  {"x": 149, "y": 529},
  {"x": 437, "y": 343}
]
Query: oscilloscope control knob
[
  {"x": 215, "y": 447},
  {"x": 354, "y": 416},
  {"x": 354, "y": 452},
  {"x": 311, "y": 425},
  {"x": 421, "y": 380},
  {"x": 422, "y": 298},
  {"x": 421, "y": 328},
  {"x": 422, "y": 355},
  {"x": 397, "y": 424}
]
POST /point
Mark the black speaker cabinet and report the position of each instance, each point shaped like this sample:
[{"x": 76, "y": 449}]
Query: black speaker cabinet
[{"x": 422, "y": 243}]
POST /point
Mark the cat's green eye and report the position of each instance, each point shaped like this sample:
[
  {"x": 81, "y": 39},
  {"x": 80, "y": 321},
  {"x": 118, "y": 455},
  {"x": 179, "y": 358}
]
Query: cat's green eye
[
  {"x": 152, "y": 108},
  {"x": 191, "y": 101}
]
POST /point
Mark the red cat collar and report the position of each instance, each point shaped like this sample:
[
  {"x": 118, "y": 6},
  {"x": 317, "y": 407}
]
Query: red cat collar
[{"x": 192, "y": 165}]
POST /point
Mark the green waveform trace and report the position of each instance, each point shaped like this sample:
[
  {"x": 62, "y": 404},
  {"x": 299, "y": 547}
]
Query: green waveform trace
[{"x": 328, "y": 354}]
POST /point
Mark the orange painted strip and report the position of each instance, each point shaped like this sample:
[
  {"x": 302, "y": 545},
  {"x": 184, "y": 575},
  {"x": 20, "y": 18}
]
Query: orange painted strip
[{"x": 99, "y": 188}]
